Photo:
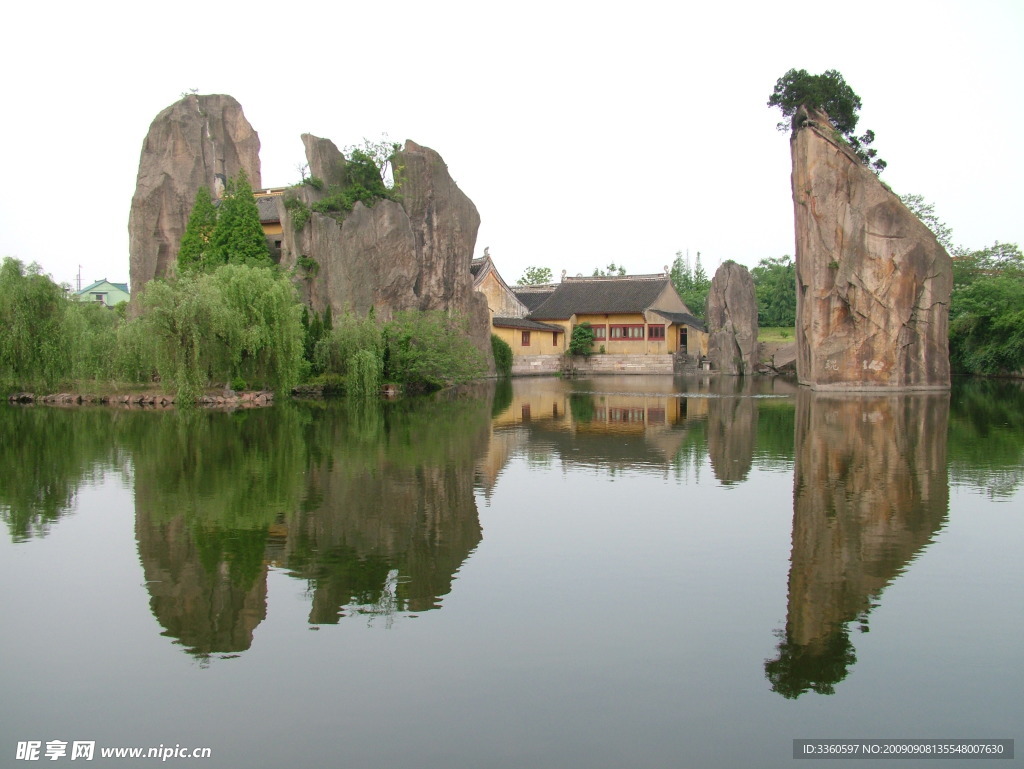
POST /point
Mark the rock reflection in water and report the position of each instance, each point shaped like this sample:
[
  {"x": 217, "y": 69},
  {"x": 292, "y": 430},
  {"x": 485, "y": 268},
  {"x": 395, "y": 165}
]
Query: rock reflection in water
[
  {"x": 870, "y": 491},
  {"x": 371, "y": 504},
  {"x": 732, "y": 429}
]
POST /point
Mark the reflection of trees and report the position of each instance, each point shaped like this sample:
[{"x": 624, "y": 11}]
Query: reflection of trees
[
  {"x": 986, "y": 435},
  {"x": 45, "y": 454},
  {"x": 371, "y": 503},
  {"x": 869, "y": 492},
  {"x": 389, "y": 518},
  {"x": 208, "y": 488}
]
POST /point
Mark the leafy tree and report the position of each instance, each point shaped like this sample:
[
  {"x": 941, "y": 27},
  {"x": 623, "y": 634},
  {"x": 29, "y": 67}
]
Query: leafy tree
[
  {"x": 238, "y": 237},
  {"x": 582, "y": 340},
  {"x": 986, "y": 317},
  {"x": 381, "y": 155},
  {"x": 195, "y": 248},
  {"x": 91, "y": 330},
  {"x": 502, "y": 356},
  {"x": 34, "y": 349},
  {"x": 611, "y": 271},
  {"x": 429, "y": 350},
  {"x": 337, "y": 346},
  {"x": 535, "y": 276},
  {"x": 775, "y": 286},
  {"x": 370, "y": 175},
  {"x": 925, "y": 211},
  {"x": 829, "y": 92},
  {"x": 240, "y": 321},
  {"x": 692, "y": 284}
]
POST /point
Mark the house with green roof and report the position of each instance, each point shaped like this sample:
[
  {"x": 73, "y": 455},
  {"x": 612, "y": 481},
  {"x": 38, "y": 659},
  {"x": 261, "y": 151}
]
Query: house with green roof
[{"x": 103, "y": 291}]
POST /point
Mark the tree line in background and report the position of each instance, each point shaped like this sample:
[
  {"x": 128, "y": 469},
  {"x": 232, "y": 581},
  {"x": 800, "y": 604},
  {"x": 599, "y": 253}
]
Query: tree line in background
[
  {"x": 986, "y": 316},
  {"x": 228, "y": 318}
]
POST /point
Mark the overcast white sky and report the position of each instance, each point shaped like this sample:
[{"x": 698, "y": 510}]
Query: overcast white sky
[{"x": 584, "y": 132}]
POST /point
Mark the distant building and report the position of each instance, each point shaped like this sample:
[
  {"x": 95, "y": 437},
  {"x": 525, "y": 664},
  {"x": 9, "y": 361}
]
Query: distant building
[
  {"x": 637, "y": 318},
  {"x": 103, "y": 291},
  {"x": 270, "y": 218}
]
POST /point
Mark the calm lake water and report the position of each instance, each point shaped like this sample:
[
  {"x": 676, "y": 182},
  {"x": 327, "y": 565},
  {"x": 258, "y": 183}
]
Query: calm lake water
[{"x": 616, "y": 572}]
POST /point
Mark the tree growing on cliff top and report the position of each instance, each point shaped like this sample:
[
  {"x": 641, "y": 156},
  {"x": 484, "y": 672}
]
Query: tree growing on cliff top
[{"x": 831, "y": 93}]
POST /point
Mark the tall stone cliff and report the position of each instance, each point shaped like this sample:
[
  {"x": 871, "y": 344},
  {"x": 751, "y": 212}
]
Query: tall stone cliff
[
  {"x": 199, "y": 141},
  {"x": 396, "y": 255},
  {"x": 873, "y": 283},
  {"x": 731, "y": 315}
]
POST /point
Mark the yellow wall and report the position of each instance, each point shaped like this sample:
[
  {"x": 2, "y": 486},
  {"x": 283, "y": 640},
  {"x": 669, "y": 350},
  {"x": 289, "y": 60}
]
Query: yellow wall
[
  {"x": 626, "y": 412},
  {"x": 643, "y": 346},
  {"x": 500, "y": 303},
  {"x": 541, "y": 342}
]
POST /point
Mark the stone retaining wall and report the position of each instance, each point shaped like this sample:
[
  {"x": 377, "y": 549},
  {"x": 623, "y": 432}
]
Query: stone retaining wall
[{"x": 549, "y": 365}]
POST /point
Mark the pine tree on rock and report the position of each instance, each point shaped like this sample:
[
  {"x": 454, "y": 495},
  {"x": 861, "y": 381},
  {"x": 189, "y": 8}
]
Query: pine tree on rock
[
  {"x": 238, "y": 237},
  {"x": 195, "y": 243}
]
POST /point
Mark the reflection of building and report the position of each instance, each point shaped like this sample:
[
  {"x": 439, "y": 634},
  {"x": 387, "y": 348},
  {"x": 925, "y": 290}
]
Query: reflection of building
[
  {"x": 869, "y": 493},
  {"x": 638, "y": 317},
  {"x": 609, "y": 429}
]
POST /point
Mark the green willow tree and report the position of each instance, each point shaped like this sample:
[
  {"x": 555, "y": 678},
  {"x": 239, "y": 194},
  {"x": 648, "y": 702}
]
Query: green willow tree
[
  {"x": 34, "y": 350},
  {"x": 240, "y": 322}
]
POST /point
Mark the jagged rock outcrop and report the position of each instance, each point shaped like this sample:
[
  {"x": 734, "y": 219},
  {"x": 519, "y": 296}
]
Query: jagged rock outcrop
[
  {"x": 873, "y": 283},
  {"x": 393, "y": 256},
  {"x": 200, "y": 141},
  {"x": 731, "y": 315}
]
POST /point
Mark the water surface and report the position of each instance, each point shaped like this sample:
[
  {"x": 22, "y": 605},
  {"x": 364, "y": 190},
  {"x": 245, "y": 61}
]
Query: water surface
[{"x": 623, "y": 571}]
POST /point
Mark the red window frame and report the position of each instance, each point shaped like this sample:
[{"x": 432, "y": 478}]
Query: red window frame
[
  {"x": 656, "y": 331},
  {"x": 525, "y": 340},
  {"x": 627, "y": 332},
  {"x": 600, "y": 333}
]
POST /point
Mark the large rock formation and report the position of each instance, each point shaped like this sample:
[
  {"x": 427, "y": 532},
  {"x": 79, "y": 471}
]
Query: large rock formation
[
  {"x": 199, "y": 141},
  {"x": 393, "y": 256},
  {"x": 731, "y": 315},
  {"x": 873, "y": 283}
]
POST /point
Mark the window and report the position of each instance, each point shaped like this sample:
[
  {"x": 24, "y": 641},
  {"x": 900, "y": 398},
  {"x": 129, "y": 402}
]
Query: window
[
  {"x": 600, "y": 333},
  {"x": 526, "y": 339},
  {"x": 554, "y": 338},
  {"x": 656, "y": 332},
  {"x": 628, "y": 332}
]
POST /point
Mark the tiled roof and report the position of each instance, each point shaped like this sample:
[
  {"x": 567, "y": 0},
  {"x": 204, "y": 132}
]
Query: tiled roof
[
  {"x": 268, "y": 208},
  {"x": 577, "y": 296},
  {"x": 523, "y": 323},
  {"x": 681, "y": 318},
  {"x": 533, "y": 296}
]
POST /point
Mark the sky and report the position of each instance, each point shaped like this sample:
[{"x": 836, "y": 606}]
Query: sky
[{"x": 585, "y": 133}]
